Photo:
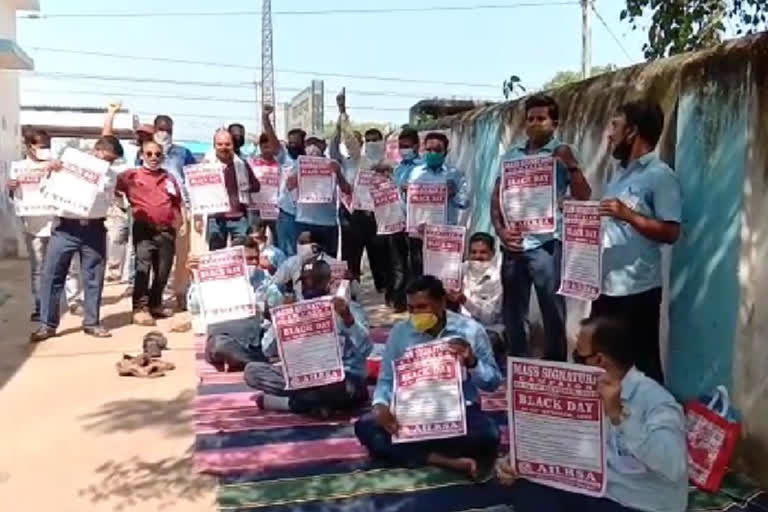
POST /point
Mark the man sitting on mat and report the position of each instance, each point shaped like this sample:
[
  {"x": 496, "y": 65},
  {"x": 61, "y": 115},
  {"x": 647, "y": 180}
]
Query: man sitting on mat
[
  {"x": 352, "y": 326},
  {"x": 430, "y": 320}
]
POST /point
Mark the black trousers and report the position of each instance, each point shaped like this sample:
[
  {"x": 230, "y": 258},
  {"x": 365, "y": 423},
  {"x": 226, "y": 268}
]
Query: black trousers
[
  {"x": 416, "y": 257},
  {"x": 642, "y": 312},
  {"x": 358, "y": 234},
  {"x": 400, "y": 269},
  {"x": 155, "y": 249}
]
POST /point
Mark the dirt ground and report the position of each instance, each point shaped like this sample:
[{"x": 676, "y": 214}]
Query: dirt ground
[{"x": 74, "y": 436}]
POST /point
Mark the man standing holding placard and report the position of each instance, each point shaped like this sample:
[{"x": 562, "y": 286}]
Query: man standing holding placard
[
  {"x": 536, "y": 258},
  {"x": 642, "y": 207},
  {"x": 267, "y": 171},
  {"x": 647, "y": 464},
  {"x": 430, "y": 321},
  {"x": 426, "y": 180}
]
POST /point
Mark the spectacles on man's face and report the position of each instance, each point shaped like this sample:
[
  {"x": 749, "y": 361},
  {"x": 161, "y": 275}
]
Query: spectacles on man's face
[{"x": 157, "y": 154}]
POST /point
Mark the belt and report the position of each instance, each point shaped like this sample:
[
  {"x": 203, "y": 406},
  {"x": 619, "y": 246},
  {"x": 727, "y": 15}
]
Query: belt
[{"x": 81, "y": 222}]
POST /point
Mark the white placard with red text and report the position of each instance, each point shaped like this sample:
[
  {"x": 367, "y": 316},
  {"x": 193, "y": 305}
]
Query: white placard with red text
[
  {"x": 207, "y": 190},
  {"x": 582, "y": 250},
  {"x": 225, "y": 291},
  {"x": 557, "y": 427},
  {"x": 428, "y": 398},
  {"x": 365, "y": 181},
  {"x": 28, "y": 199},
  {"x": 265, "y": 200},
  {"x": 308, "y": 343},
  {"x": 527, "y": 194},
  {"x": 444, "y": 254},
  {"x": 427, "y": 204},
  {"x": 74, "y": 187},
  {"x": 317, "y": 180},
  {"x": 388, "y": 208}
]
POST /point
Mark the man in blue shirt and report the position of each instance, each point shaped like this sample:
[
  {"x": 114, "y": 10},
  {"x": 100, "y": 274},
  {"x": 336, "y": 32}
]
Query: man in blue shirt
[
  {"x": 646, "y": 455},
  {"x": 642, "y": 207},
  {"x": 352, "y": 325},
  {"x": 535, "y": 258},
  {"x": 430, "y": 320}
]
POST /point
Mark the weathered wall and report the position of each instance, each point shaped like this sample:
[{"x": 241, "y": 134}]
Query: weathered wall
[{"x": 717, "y": 140}]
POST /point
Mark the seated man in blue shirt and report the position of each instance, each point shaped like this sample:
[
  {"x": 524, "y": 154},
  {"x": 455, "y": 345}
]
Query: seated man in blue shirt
[
  {"x": 646, "y": 451},
  {"x": 352, "y": 326},
  {"x": 430, "y": 320}
]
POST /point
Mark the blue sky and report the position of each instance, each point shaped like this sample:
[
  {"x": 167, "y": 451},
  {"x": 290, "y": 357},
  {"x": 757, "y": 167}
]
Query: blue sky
[{"x": 479, "y": 46}]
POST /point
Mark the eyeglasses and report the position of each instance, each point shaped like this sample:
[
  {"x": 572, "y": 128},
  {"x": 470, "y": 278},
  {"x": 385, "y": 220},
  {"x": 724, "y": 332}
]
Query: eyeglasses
[{"x": 155, "y": 153}]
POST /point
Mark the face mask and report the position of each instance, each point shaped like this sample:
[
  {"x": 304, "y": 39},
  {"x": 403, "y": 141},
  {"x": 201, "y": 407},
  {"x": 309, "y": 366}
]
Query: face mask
[
  {"x": 43, "y": 153},
  {"x": 623, "y": 149},
  {"x": 314, "y": 151},
  {"x": 162, "y": 138},
  {"x": 407, "y": 154},
  {"x": 434, "y": 160},
  {"x": 479, "y": 267},
  {"x": 295, "y": 152},
  {"x": 423, "y": 322},
  {"x": 374, "y": 151},
  {"x": 305, "y": 252}
]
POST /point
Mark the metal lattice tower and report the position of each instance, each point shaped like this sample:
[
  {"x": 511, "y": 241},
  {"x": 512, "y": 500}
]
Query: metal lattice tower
[{"x": 267, "y": 64}]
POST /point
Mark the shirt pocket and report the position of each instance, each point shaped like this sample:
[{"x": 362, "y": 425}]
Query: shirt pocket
[{"x": 634, "y": 198}]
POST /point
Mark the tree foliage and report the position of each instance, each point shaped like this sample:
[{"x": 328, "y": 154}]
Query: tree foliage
[
  {"x": 562, "y": 78},
  {"x": 678, "y": 26}
]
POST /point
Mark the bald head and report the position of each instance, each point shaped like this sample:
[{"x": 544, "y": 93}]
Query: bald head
[{"x": 224, "y": 146}]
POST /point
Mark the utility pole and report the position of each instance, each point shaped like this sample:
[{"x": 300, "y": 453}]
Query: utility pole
[
  {"x": 586, "y": 38},
  {"x": 267, "y": 64}
]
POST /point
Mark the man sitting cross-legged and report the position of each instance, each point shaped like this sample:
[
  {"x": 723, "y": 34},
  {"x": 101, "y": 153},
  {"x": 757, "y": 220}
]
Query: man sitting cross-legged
[
  {"x": 429, "y": 320},
  {"x": 352, "y": 327}
]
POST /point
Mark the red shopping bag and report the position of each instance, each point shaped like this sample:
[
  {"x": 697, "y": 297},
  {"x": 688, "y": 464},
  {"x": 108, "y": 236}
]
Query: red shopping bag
[{"x": 711, "y": 433}]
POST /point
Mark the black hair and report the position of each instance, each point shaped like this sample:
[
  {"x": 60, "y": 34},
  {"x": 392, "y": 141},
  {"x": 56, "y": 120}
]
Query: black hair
[
  {"x": 544, "y": 100},
  {"x": 647, "y": 117},
  {"x": 263, "y": 138},
  {"x": 437, "y": 136},
  {"x": 609, "y": 336},
  {"x": 298, "y": 131},
  {"x": 319, "y": 269},
  {"x": 429, "y": 284},
  {"x": 110, "y": 143},
  {"x": 410, "y": 135},
  {"x": 163, "y": 118},
  {"x": 235, "y": 125},
  {"x": 358, "y": 136},
  {"x": 314, "y": 140},
  {"x": 485, "y": 238},
  {"x": 37, "y": 136},
  {"x": 374, "y": 133}
]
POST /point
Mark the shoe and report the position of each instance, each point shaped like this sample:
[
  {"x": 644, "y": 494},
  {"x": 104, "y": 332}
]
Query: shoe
[
  {"x": 142, "y": 317},
  {"x": 34, "y": 317},
  {"x": 154, "y": 343},
  {"x": 161, "y": 312},
  {"x": 77, "y": 309},
  {"x": 98, "y": 331},
  {"x": 42, "y": 334}
]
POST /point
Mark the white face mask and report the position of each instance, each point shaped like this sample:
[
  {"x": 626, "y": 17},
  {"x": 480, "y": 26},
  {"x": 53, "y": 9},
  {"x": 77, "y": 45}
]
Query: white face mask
[
  {"x": 163, "y": 138},
  {"x": 479, "y": 268},
  {"x": 314, "y": 151},
  {"x": 43, "y": 154},
  {"x": 305, "y": 252},
  {"x": 374, "y": 151}
]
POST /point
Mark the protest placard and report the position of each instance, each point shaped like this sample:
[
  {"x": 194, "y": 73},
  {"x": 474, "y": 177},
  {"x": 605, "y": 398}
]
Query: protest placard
[
  {"x": 28, "y": 199},
  {"x": 427, "y": 204},
  {"x": 388, "y": 208},
  {"x": 361, "y": 193},
  {"x": 207, "y": 191},
  {"x": 225, "y": 292},
  {"x": 582, "y": 250},
  {"x": 265, "y": 200},
  {"x": 527, "y": 194},
  {"x": 444, "y": 254},
  {"x": 317, "y": 180},
  {"x": 74, "y": 187}
]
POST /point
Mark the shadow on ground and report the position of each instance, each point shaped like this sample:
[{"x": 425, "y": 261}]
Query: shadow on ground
[
  {"x": 174, "y": 416},
  {"x": 15, "y": 308},
  {"x": 130, "y": 482}
]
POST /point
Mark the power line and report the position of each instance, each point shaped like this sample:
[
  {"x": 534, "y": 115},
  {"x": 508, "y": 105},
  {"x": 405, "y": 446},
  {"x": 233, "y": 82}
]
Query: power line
[
  {"x": 319, "y": 12},
  {"x": 605, "y": 24},
  {"x": 253, "y": 68}
]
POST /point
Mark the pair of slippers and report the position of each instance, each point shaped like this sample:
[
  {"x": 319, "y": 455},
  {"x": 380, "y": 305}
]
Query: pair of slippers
[{"x": 148, "y": 364}]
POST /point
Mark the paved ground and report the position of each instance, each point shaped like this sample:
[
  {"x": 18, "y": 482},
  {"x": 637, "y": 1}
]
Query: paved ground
[{"x": 75, "y": 436}]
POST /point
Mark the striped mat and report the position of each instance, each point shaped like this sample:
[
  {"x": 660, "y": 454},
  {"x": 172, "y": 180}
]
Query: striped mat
[{"x": 282, "y": 462}]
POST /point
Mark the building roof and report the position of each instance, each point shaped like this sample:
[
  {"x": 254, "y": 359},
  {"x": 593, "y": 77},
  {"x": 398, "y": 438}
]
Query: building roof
[
  {"x": 13, "y": 57},
  {"x": 83, "y": 122}
]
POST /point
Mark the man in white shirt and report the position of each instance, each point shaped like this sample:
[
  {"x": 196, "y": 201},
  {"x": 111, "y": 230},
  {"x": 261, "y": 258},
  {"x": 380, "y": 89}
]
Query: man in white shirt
[{"x": 86, "y": 236}]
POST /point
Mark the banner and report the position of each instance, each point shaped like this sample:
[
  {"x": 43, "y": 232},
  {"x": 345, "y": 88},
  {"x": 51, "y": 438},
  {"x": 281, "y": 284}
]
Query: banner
[
  {"x": 265, "y": 200},
  {"x": 225, "y": 291},
  {"x": 528, "y": 194},
  {"x": 75, "y": 186},
  {"x": 556, "y": 425},
  {"x": 444, "y": 254},
  {"x": 428, "y": 398},
  {"x": 28, "y": 199},
  {"x": 582, "y": 250},
  {"x": 308, "y": 343},
  {"x": 207, "y": 191},
  {"x": 388, "y": 209},
  {"x": 317, "y": 180},
  {"x": 427, "y": 204}
]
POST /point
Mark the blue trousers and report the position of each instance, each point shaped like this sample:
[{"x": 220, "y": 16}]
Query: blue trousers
[
  {"x": 88, "y": 239},
  {"x": 482, "y": 440},
  {"x": 221, "y": 229},
  {"x": 285, "y": 229},
  {"x": 328, "y": 236},
  {"x": 540, "y": 267},
  {"x": 530, "y": 497}
]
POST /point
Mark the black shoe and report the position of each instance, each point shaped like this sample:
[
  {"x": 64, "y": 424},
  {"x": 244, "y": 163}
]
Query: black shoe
[
  {"x": 97, "y": 332},
  {"x": 34, "y": 317},
  {"x": 41, "y": 334}
]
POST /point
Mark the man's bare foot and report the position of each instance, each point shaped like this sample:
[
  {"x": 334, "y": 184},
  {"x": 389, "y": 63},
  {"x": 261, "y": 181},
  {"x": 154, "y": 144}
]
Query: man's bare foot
[{"x": 465, "y": 465}]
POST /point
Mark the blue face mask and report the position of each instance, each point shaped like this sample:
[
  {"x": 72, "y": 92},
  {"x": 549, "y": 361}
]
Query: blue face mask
[
  {"x": 407, "y": 154},
  {"x": 434, "y": 160},
  {"x": 313, "y": 294}
]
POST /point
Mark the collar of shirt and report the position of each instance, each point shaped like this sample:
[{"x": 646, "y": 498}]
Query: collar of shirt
[
  {"x": 549, "y": 147},
  {"x": 637, "y": 164},
  {"x": 630, "y": 382}
]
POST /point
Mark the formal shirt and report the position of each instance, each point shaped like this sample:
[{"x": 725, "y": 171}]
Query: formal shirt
[
  {"x": 286, "y": 198},
  {"x": 355, "y": 341},
  {"x": 485, "y": 375},
  {"x": 425, "y": 175},
  {"x": 155, "y": 196},
  {"x": 632, "y": 262},
  {"x": 646, "y": 453},
  {"x": 176, "y": 158},
  {"x": 483, "y": 290},
  {"x": 562, "y": 181}
]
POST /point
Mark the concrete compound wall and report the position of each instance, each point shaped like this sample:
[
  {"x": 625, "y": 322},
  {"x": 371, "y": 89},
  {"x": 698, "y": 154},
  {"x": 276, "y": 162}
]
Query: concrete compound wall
[{"x": 716, "y": 138}]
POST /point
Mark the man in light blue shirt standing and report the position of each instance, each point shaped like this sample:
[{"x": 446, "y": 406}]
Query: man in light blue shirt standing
[
  {"x": 536, "y": 258},
  {"x": 642, "y": 210},
  {"x": 430, "y": 320},
  {"x": 646, "y": 458}
]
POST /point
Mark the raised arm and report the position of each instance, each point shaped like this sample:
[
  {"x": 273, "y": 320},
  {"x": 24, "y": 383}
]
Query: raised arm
[
  {"x": 580, "y": 188},
  {"x": 109, "y": 119},
  {"x": 269, "y": 130}
]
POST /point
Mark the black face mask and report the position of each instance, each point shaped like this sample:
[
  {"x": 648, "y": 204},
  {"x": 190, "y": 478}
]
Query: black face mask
[
  {"x": 295, "y": 152},
  {"x": 238, "y": 143}
]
